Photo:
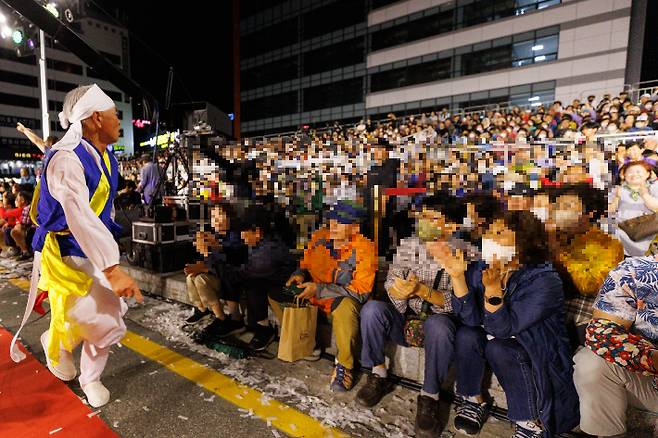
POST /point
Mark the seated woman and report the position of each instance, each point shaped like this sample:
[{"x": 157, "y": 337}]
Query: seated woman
[
  {"x": 637, "y": 195},
  {"x": 512, "y": 314}
]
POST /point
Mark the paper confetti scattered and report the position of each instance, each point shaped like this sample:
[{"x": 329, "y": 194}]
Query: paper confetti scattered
[
  {"x": 276, "y": 433},
  {"x": 211, "y": 399},
  {"x": 93, "y": 414},
  {"x": 153, "y": 372},
  {"x": 146, "y": 409},
  {"x": 183, "y": 418},
  {"x": 115, "y": 424},
  {"x": 54, "y": 431},
  {"x": 119, "y": 344}
]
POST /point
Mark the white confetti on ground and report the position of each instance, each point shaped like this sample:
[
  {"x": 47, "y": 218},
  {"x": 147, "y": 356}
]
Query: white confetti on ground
[
  {"x": 183, "y": 418},
  {"x": 93, "y": 414},
  {"x": 146, "y": 409},
  {"x": 167, "y": 318},
  {"x": 115, "y": 424}
]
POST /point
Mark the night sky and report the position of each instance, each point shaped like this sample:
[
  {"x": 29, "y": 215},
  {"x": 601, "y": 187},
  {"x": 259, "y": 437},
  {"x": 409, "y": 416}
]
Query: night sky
[{"x": 195, "y": 37}]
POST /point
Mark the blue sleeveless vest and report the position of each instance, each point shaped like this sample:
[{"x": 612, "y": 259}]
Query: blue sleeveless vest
[{"x": 50, "y": 214}]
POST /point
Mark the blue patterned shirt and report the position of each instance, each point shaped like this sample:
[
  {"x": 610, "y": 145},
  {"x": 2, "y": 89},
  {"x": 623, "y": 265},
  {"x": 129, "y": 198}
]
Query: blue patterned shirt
[{"x": 630, "y": 292}]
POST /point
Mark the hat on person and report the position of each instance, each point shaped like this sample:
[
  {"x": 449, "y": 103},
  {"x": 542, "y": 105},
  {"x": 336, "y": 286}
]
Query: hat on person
[{"x": 347, "y": 212}]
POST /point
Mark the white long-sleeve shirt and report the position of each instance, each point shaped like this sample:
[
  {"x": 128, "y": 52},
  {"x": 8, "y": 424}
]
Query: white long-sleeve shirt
[{"x": 67, "y": 185}]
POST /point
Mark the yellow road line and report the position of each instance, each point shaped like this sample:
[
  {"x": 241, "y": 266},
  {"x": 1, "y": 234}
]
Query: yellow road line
[
  {"x": 21, "y": 283},
  {"x": 289, "y": 420}
]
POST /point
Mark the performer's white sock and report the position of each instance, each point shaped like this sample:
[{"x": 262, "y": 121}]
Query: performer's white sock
[{"x": 92, "y": 362}]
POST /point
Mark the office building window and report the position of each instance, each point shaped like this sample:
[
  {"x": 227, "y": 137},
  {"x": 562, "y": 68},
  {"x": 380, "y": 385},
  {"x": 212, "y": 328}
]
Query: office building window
[
  {"x": 450, "y": 17},
  {"x": 271, "y": 73},
  {"x": 18, "y": 78},
  {"x": 335, "y": 56},
  {"x": 334, "y": 16},
  {"x": 411, "y": 75},
  {"x": 502, "y": 53},
  {"x": 270, "y": 106},
  {"x": 16, "y": 100},
  {"x": 64, "y": 66},
  {"x": 272, "y": 37},
  {"x": 334, "y": 94}
]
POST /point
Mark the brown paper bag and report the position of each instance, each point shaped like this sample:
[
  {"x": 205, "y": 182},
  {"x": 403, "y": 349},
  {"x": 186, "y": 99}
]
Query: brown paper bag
[{"x": 298, "y": 332}]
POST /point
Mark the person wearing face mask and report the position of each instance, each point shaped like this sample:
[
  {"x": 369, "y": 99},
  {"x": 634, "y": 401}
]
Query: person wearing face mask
[
  {"x": 637, "y": 195},
  {"x": 540, "y": 205},
  {"x": 511, "y": 307},
  {"x": 419, "y": 312},
  {"x": 582, "y": 254}
]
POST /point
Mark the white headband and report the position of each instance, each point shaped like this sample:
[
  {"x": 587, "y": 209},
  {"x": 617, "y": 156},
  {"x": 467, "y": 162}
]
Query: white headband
[{"x": 92, "y": 101}]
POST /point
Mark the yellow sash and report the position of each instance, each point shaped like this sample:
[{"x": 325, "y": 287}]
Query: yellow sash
[{"x": 62, "y": 281}]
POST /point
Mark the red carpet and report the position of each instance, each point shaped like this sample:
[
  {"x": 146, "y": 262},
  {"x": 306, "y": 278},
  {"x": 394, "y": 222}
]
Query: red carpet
[{"x": 34, "y": 403}]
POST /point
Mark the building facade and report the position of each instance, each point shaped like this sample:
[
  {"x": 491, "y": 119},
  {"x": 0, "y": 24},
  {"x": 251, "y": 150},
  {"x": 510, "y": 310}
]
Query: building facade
[
  {"x": 20, "y": 92},
  {"x": 315, "y": 62}
]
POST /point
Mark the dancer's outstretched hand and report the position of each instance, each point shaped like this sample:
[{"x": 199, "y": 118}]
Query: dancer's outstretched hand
[{"x": 123, "y": 284}]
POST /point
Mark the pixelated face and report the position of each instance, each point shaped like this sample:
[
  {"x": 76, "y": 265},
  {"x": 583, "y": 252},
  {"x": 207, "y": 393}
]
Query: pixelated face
[
  {"x": 437, "y": 220},
  {"x": 251, "y": 237},
  {"x": 567, "y": 211},
  {"x": 517, "y": 202},
  {"x": 219, "y": 220},
  {"x": 499, "y": 232},
  {"x": 5, "y": 201},
  {"x": 340, "y": 232},
  {"x": 24, "y": 172},
  {"x": 634, "y": 175}
]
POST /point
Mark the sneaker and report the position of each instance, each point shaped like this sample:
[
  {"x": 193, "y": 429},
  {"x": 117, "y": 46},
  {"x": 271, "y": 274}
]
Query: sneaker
[
  {"x": 197, "y": 316},
  {"x": 471, "y": 416},
  {"x": 427, "y": 417},
  {"x": 341, "y": 379},
  {"x": 221, "y": 328},
  {"x": 532, "y": 431},
  {"x": 373, "y": 391},
  {"x": 263, "y": 336},
  {"x": 97, "y": 394},
  {"x": 315, "y": 356}
]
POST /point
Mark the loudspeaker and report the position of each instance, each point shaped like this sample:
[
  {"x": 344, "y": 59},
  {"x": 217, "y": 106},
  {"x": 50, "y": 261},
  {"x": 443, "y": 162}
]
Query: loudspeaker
[{"x": 164, "y": 257}]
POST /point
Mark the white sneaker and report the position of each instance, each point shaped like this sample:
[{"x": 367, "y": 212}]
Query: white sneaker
[
  {"x": 65, "y": 369},
  {"x": 97, "y": 394}
]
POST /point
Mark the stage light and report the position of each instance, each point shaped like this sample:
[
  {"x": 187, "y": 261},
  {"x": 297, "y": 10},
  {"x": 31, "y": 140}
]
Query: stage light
[
  {"x": 537, "y": 47},
  {"x": 30, "y": 44},
  {"x": 52, "y": 8},
  {"x": 68, "y": 15},
  {"x": 540, "y": 58},
  {"x": 17, "y": 36},
  {"x": 5, "y": 32}
]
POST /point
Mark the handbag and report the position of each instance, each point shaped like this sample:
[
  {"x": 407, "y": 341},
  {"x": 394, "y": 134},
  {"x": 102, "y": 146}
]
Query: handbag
[{"x": 641, "y": 227}]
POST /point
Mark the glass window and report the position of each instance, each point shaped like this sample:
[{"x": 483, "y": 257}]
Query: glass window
[
  {"x": 18, "y": 78},
  {"x": 335, "y": 56},
  {"x": 334, "y": 94},
  {"x": 64, "y": 66},
  {"x": 271, "y": 73},
  {"x": 334, "y": 16},
  {"x": 424, "y": 27},
  {"x": 268, "y": 39},
  {"x": 410, "y": 75},
  {"x": 478, "y": 12},
  {"x": 16, "y": 100},
  {"x": 270, "y": 106}
]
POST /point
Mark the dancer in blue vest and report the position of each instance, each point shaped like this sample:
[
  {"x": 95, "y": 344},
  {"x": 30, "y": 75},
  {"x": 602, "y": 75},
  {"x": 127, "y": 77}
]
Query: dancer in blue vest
[{"x": 76, "y": 255}]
